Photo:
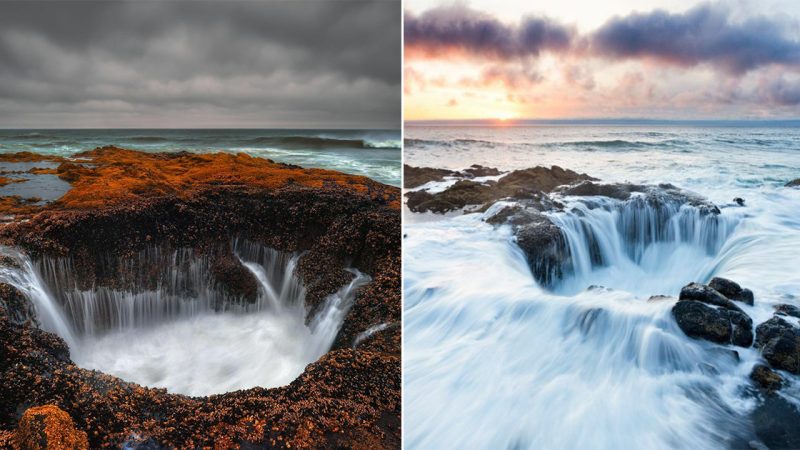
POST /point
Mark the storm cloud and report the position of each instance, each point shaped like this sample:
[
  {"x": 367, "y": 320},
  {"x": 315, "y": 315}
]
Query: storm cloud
[
  {"x": 458, "y": 29},
  {"x": 184, "y": 64},
  {"x": 704, "y": 34}
]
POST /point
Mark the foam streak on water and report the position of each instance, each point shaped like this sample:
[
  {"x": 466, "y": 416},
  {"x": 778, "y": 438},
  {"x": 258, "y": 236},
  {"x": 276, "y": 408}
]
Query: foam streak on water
[{"x": 493, "y": 360}]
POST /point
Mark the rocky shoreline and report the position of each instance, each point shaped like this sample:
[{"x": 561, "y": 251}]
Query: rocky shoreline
[
  {"x": 709, "y": 312},
  {"x": 123, "y": 201}
]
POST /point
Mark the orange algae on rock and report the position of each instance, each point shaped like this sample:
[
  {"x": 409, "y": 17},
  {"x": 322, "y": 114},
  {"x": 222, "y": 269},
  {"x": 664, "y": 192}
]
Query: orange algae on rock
[{"x": 48, "y": 427}]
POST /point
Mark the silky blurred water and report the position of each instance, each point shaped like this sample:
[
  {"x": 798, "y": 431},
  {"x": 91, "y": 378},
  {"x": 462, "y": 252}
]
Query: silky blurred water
[{"x": 493, "y": 360}]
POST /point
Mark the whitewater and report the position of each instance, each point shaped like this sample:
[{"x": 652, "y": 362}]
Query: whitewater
[
  {"x": 492, "y": 359},
  {"x": 185, "y": 334}
]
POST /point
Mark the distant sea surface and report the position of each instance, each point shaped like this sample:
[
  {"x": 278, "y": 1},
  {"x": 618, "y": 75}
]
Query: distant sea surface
[{"x": 372, "y": 153}]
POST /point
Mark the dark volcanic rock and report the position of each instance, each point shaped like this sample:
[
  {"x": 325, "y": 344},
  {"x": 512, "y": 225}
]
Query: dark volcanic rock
[
  {"x": 779, "y": 342},
  {"x": 545, "y": 248},
  {"x": 476, "y": 170},
  {"x": 776, "y": 421},
  {"x": 15, "y": 306},
  {"x": 520, "y": 184},
  {"x": 126, "y": 202},
  {"x": 793, "y": 183},
  {"x": 731, "y": 290},
  {"x": 701, "y": 321},
  {"x": 766, "y": 378},
  {"x": 706, "y": 294},
  {"x": 234, "y": 278},
  {"x": 590, "y": 188},
  {"x": 703, "y": 313},
  {"x": 788, "y": 310},
  {"x": 417, "y": 176}
]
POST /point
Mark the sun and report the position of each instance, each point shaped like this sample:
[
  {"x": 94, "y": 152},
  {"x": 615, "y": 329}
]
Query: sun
[{"x": 503, "y": 116}]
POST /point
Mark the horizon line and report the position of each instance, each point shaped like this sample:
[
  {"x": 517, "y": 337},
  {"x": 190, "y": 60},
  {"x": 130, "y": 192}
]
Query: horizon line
[{"x": 599, "y": 121}]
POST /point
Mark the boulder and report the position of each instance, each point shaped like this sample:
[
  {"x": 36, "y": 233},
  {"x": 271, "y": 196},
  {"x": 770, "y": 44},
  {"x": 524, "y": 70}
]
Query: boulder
[
  {"x": 793, "y": 183},
  {"x": 545, "y": 249},
  {"x": 417, "y": 176},
  {"x": 477, "y": 170},
  {"x": 706, "y": 294},
  {"x": 48, "y": 427},
  {"x": 779, "y": 342},
  {"x": 766, "y": 378},
  {"x": 788, "y": 310},
  {"x": 731, "y": 290},
  {"x": 739, "y": 201},
  {"x": 716, "y": 324}
]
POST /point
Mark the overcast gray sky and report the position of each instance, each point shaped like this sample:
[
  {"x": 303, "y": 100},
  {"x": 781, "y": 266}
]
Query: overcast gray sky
[{"x": 305, "y": 64}]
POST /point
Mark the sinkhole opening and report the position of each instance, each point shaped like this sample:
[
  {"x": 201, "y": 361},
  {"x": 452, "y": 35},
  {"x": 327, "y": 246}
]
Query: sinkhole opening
[
  {"x": 642, "y": 245},
  {"x": 171, "y": 324}
]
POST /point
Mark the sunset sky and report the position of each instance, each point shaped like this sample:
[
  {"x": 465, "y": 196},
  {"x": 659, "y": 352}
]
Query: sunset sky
[{"x": 617, "y": 59}]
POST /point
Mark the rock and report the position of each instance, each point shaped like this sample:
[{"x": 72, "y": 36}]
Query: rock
[
  {"x": 417, "y": 176},
  {"x": 779, "y": 342},
  {"x": 477, "y": 170},
  {"x": 527, "y": 184},
  {"x": 234, "y": 278},
  {"x": 545, "y": 248},
  {"x": 731, "y": 290},
  {"x": 723, "y": 326},
  {"x": 658, "y": 298},
  {"x": 766, "y": 378},
  {"x": 739, "y": 201},
  {"x": 706, "y": 294},
  {"x": 16, "y": 307},
  {"x": 775, "y": 423},
  {"x": 48, "y": 428},
  {"x": 793, "y": 183},
  {"x": 788, "y": 310},
  {"x": 619, "y": 191}
]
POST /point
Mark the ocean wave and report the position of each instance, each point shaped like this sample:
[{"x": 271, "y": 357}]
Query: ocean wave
[
  {"x": 150, "y": 139},
  {"x": 410, "y": 142},
  {"x": 319, "y": 142}
]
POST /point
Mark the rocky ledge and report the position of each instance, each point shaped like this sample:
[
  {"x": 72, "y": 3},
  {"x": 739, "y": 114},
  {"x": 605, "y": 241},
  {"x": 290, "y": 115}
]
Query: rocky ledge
[
  {"x": 533, "y": 194},
  {"x": 121, "y": 202}
]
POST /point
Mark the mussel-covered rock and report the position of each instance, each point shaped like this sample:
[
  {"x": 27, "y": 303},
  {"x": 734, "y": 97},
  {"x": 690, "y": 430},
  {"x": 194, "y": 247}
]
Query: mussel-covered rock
[
  {"x": 779, "y": 342},
  {"x": 788, "y": 310},
  {"x": 15, "y": 306},
  {"x": 48, "y": 427}
]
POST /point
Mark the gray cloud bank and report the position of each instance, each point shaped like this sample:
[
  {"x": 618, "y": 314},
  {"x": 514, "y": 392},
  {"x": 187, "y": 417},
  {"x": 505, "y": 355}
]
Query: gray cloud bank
[
  {"x": 200, "y": 64},
  {"x": 708, "y": 34}
]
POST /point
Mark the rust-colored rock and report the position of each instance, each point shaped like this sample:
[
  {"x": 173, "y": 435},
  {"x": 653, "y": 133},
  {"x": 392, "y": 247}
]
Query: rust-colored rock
[
  {"x": 48, "y": 427},
  {"x": 122, "y": 202}
]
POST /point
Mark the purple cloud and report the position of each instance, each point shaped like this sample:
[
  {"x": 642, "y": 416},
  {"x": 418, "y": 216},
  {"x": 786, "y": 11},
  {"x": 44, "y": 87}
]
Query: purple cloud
[
  {"x": 704, "y": 34},
  {"x": 458, "y": 29}
]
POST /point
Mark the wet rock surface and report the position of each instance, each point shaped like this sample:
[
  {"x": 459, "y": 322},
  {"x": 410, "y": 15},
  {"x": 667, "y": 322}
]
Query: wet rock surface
[
  {"x": 417, "y": 176},
  {"x": 779, "y": 342},
  {"x": 731, "y": 290},
  {"x": 766, "y": 378},
  {"x": 15, "y": 306},
  {"x": 775, "y": 423},
  {"x": 704, "y": 313},
  {"x": 793, "y": 183},
  {"x": 48, "y": 427},
  {"x": 518, "y": 184},
  {"x": 122, "y": 202}
]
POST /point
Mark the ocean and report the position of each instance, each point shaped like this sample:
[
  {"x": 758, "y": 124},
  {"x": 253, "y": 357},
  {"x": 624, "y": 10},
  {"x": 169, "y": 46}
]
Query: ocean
[
  {"x": 371, "y": 153},
  {"x": 494, "y": 360}
]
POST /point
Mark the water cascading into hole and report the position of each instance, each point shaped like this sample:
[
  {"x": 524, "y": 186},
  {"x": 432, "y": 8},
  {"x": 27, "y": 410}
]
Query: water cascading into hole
[
  {"x": 639, "y": 245},
  {"x": 173, "y": 327}
]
